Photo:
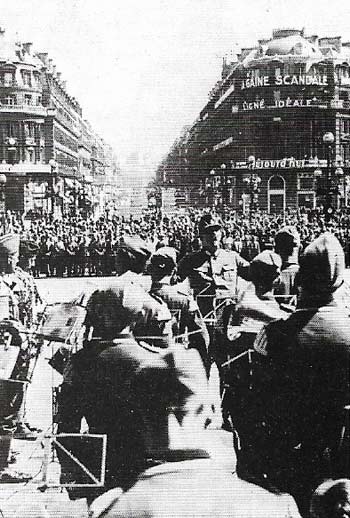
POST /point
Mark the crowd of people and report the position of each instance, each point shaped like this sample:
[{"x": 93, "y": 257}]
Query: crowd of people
[
  {"x": 215, "y": 358},
  {"x": 77, "y": 246}
]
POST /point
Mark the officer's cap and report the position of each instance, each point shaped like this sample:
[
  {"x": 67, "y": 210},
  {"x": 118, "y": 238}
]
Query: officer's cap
[
  {"x": 9, "y": 245},
  {"x": 136, "y": 248},
  {"x": 164, "y": 258},
  {"x": 28, "y": 248},
  {"x": 173, "y": 380},
  {"x": 208, "y": 223},
  {"x": 266, "y": 265},
  {"x": 287, "y": 236},
  {"x": 322, "y": 265}
]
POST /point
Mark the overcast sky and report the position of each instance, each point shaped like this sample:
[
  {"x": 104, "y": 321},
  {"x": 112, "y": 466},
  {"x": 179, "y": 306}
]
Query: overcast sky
[{"x": 142, "y": 69}]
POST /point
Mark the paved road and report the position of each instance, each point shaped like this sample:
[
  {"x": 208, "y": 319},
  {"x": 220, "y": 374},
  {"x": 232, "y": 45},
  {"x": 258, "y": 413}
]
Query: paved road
[{"x": 21, "y": 500}]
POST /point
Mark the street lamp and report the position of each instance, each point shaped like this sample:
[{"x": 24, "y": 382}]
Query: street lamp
[
  {"x": 253, "y": 181},
  {"x": 223, "y": 184},
  {"x": 328, "y": 140},
  {"x": 53, "y": 165},
  {"x": 3, "y": 181}
]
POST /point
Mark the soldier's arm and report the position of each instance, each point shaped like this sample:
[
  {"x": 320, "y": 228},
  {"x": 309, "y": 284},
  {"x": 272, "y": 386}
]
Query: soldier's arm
[
  {"x": 184, "y": 268},
  {"x": 242, "y": 267}
]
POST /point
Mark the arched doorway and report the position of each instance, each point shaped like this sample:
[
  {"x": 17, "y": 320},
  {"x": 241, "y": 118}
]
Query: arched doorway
[{"x": 276, "y": 194}]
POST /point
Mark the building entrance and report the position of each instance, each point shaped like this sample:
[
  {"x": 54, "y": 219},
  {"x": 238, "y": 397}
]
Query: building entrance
[{"x": 276, "y": 194}]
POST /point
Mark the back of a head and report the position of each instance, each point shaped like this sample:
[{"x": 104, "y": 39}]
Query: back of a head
[
  {"x": 133, "y": 254},
  {"x": 322, "y": 265},
  {"x": 112, "y": 309},
  {"x": 287, "y": 240},
  {"x": 331, "y": 500},
  {"x": 173, "y": 381},
  {"x": 9, "y": 250},
  {"x": 265, "y": 268},
  {"x": 163, "y": 261}
]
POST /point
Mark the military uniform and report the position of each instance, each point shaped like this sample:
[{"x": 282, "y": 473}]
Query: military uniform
[
  {"x": 302, "y": 386},
  {"x": 188, "y": 321},
  {"x": 96, "y": 384},
  {"x": 17, "y": 312},
  {"x": 207, "y": 271}
]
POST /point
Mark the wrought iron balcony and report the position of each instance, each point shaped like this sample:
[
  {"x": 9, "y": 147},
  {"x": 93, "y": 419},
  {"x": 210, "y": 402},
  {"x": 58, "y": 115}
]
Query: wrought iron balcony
[{"x": 23, "y": 108}]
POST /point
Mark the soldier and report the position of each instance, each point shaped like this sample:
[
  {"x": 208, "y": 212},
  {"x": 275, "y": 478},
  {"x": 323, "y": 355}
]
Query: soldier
[
  {"x": 188, "y": 320},
  {"x": 303, "y": 390},
  {"x": 132, "y": 256},
  {"x": 212, "y": 267},
  {"x": 213, "y": 275},
  {"x": 97, "y": 384},
  {"x": 257, "y": 304},
  {"x": 195, "y": 473},
  {"x": 19, "y": 353},
  {"x": 287, "y": 245}
]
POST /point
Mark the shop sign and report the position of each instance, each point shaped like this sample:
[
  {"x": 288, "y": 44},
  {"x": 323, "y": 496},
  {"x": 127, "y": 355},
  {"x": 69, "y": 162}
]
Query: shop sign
[
  {"x": 283, "y": 163},
  {"x": 289, "y": 102},
  {"x": 284, "y": 80}
]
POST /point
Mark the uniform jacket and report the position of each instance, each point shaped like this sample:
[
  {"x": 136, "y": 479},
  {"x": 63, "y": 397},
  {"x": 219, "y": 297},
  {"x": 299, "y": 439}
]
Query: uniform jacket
[
  {"x": 186, "y": 317},
  {"x": 181, "y": 489},
  {"x": 219, "y": 270},
  {"x": 98, "y": 388}
]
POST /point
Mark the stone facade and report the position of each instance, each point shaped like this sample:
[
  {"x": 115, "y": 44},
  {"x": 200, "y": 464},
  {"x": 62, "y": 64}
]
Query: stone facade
[
  {"x": 49, "y": 154},
  {"x": 265, "y": 119}
]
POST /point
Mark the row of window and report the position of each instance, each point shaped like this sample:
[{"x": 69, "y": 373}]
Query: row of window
[
  {"x": 28, "y": 99},
  {"x": 29, "y": 79},
  {"x": 14, "y": 129}
]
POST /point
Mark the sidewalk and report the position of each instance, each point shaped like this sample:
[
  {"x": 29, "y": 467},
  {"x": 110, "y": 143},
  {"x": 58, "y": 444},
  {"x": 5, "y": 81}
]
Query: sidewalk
[{"x": 30, "y": 499}]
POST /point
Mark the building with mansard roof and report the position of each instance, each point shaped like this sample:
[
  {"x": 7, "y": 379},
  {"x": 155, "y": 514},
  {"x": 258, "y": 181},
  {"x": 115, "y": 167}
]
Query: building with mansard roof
[
  {"x": 50, "y": 156},
  {"x": 260, "y": 139}
]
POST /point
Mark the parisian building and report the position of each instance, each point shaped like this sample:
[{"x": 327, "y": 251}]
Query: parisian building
[
  {"x": 51, "y": 160},
  {"x": 274, "y": 133}
]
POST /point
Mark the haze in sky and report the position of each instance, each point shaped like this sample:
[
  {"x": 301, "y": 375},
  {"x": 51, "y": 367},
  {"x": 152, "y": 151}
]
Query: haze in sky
[{"x": 143, "y": 70}]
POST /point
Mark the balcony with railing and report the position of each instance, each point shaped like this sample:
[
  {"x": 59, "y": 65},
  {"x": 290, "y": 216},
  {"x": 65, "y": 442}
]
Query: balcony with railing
[
  {"x": 32, "y": 87},
  {"x": 23, "y": 108},
  {"x": 340, "y": 104}
]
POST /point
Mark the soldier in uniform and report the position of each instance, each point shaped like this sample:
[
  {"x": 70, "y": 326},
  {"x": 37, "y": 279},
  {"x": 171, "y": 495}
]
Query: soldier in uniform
[
  {"x": 17, "y": 314},
  {"x": 97, "y": 385},
  {"x": 303, "y": 387},
  {"x": 287, "y": 245},
  {"x": 213, "y": 275},
  {"x": 132, "y": 256},
  {"x": 195, "y": 473},
  {"x": 188, "y": 320}
]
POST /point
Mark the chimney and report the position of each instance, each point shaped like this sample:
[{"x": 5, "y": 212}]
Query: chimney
[
  {"x": 27, "y": 47},
  {"x": 58, "y": 76},
  {"x": 43, "y": 57},
  {"x": 333, "y": 42},
  {"x": 313, "y": 39},
  {"x": 2, "y": 31}
]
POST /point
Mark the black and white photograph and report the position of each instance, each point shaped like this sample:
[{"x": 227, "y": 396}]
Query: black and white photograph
[{"x": 174, "y": 259}]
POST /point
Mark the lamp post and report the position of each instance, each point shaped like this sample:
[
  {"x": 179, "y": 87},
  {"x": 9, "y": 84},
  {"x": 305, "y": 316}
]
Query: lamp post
[
  {"x": 328, "y": 140},
  {"x": 223, "y": 185},
  {"x": 53, "y": 165},
  {"x": 253, "y": 181},
  {"x": 3, "y": 181}
]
